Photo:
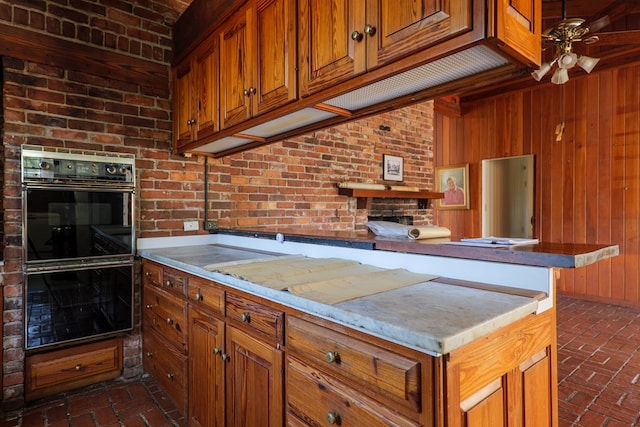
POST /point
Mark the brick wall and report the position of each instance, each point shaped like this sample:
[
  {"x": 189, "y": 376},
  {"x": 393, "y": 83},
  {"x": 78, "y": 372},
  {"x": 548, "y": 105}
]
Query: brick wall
[{"x": 291, "y": 183}]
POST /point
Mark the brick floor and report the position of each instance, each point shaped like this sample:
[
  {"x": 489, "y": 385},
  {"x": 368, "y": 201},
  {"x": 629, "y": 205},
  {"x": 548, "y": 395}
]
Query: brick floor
[
  {"x": 598, "y": 374},
  {"x": 598, "y": 364}
]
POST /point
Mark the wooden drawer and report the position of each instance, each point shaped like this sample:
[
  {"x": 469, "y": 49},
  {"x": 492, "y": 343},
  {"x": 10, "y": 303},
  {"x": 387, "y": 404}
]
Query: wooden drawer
[
  {"x": 321, "y": 399},
  {"x": 386, "y": 372},
  {"x": 151, "y": 274},
  {"x": 167, "y": 314},
  {"x": 206, "y": 295},
  {"x": 175, "y": 281},
  {"x": 257, "y": 317},
  {"x": 170, "y": 280},
  {"x": 167, "y": 366},
  {"x": 62, "y": 370}
]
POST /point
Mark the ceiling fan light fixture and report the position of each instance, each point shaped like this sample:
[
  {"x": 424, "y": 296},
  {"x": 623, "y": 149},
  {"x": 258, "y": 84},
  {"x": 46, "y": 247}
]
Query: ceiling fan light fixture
[
  {"x": 560, "y": 76},
  {"x": 567, "y": 60},
  {"x": 587, "y": 63},
  {"x": 539, "y": 74}
]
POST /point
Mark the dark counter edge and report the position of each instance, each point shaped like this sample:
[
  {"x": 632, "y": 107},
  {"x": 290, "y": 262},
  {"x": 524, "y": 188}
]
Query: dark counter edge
[{"x": 560, "y": 255}]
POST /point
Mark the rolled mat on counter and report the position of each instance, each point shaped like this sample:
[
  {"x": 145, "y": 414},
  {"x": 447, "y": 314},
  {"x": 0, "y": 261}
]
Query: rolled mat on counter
[
  {"x": 392, "y": 229},
  {"x": 361, "y": 186}
]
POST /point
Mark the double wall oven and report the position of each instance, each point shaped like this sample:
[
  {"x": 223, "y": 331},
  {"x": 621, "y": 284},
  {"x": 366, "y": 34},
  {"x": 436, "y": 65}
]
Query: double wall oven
[{"x": 79, "y": 243}]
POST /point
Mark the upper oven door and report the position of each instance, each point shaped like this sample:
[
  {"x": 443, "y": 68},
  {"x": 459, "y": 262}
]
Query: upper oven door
[{"x": 77, "y": 223}]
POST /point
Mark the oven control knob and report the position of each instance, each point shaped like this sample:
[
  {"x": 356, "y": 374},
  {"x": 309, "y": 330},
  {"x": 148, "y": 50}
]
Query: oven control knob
[
  {"x": 45, "y": 165},
  {"x": 123, "y": 170},
  {"x": 111, "y": 169}
]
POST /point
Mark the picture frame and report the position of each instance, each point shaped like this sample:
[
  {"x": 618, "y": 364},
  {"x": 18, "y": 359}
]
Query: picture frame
[
  {"x": 392, "y": 168},
  {"x": 453, "y": 181}
]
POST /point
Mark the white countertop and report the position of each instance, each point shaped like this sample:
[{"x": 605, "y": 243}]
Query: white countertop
[{"x": 432, "y": 317}]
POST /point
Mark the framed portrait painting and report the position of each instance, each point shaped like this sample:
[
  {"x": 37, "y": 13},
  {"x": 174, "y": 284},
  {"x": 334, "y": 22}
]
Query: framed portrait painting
[
  {"x": 453, "y": 181},
  {"x": 392, "y": 168}
]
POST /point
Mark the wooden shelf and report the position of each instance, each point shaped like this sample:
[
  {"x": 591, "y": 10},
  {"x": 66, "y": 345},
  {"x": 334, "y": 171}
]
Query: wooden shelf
[{"x": 364, "y": 196}]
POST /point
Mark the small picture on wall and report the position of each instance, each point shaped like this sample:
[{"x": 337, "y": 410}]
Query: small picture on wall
[
  {"x": 453, "y": 181},
  {"x": 392, "y": 167}
]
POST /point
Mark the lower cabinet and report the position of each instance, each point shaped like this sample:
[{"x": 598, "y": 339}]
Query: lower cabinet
[{"x": 252, "y": 362}]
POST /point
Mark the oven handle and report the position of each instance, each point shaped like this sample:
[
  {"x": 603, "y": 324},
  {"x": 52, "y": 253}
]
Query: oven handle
[{"x": 111, "y": 187}]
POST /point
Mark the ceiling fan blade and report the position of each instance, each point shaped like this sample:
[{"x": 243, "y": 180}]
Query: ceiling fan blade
[
  {"x": 616, "y": 10},
  {"x": 617, "y": 38}
]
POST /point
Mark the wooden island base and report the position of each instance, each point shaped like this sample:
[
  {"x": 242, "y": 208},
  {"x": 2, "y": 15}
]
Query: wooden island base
[{"x": 248, "y": 356}]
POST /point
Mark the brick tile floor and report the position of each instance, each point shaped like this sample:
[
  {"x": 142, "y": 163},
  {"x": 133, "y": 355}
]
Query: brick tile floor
[
  {"x": 598, "y": 374},
  {"x": 598, "y": 364}
]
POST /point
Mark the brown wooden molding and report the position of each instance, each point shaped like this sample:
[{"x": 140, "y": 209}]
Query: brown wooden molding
[{"x": 29, "y": 45}]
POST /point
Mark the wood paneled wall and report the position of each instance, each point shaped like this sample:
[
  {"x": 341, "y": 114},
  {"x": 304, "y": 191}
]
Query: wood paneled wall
[{"x": 587, "y": 181}]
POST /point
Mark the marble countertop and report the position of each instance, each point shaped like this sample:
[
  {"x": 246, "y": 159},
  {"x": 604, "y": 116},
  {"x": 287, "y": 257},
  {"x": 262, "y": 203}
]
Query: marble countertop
[{"x": 432, "y": 317}]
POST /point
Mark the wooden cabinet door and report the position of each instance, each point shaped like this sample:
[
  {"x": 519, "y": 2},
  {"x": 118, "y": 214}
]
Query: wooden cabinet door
[
  {"x": 206, "y": 84},
  {"x": 206, "y": 370},
  {"x": 183, "y": 103},
  {"x": 397, "y": 28},
  {"x": 518, "y": 25},
  {"x": 276, "y": 52},
  {"x": 236, "y": 73},
  {"x": 255, "y": 390},
  {"x": 327, "y": 52}
]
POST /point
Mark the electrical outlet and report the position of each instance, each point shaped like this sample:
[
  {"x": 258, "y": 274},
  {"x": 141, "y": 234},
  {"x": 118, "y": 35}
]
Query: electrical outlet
[
  {"x": 211, "y": 224},
  {"x": 191, "y": 226}
]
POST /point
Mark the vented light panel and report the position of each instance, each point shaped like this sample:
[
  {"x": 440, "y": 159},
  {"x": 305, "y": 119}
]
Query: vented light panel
[
  {"x": 289, "y": 122},
  {"x": 453, "y": 67}
]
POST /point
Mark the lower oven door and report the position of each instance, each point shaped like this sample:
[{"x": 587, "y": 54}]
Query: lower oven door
[{"x": 80, "y": 303}]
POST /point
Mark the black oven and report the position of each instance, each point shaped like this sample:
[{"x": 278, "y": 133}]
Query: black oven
[{"x": 79, "y": 243}]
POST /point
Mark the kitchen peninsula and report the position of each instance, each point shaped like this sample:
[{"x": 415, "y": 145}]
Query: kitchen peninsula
[{"x": 471, "y": 342}]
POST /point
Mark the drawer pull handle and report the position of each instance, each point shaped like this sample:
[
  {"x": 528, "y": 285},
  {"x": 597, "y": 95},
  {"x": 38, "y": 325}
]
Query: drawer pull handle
[
  {"x": 198, "y": 297},
  {"x": 169, "y": 284},
  {"x": 149, "y": 354},
  {"x": 170, "y": 376},
  {"x": 148, "y": 306},
  {"x": 224, "y": 357},
  {"x": 333, "y": 357},
  {"x": 245, "y": 317},
  {"x": 78, "y": 367},
  {"x": 169, "y": 321},
  {"x": 333, "y": 418}
]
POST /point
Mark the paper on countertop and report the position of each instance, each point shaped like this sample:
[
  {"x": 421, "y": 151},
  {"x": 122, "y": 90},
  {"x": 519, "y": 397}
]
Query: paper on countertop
[
  {"x": 393, "y": 229},
  {"x": 492, "y": 241},
  {"x": 403, "y": 188}
]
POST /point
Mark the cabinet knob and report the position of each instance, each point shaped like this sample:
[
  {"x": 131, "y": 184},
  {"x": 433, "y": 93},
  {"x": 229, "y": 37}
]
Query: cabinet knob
[
  {"x": 78, "y": 367},
  {"x": 169, "y": 284},
  {"x": 149, "y": 354},
  {"x": 148, "y": 306},
  {"x": 245, "y": 317},
  {"x": 169, "y": 321},
  {"x": 333, "y": 418},
  {"x": 333, "y": 357},
  {"x": 198, "y": 297},
  {"x": 170, "y": 376},
  {"x": 246, "y": 92},
  {"x": 369, "y": 30},
  {"x": 147, "y": 273},
  {"x": 217, "y": 351},
  {"x": 356, "y": 36},
  {"x": 224, "y": 357},
  {"x": 252, "y": 90}
]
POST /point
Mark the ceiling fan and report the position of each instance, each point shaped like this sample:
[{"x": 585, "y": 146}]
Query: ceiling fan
[{"x": 572, "y": 30}]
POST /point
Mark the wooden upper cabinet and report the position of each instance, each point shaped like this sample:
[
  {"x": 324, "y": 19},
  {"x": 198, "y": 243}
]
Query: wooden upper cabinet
[
  {"x": 182, "y": 103},
  {"x": 196, "y": 94},
  {"x": 518, "y": 26},
  {"x": 258, "y": 59},
  {"x": 235, "y": 72},
  {"x": 340, "y": 40}
]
